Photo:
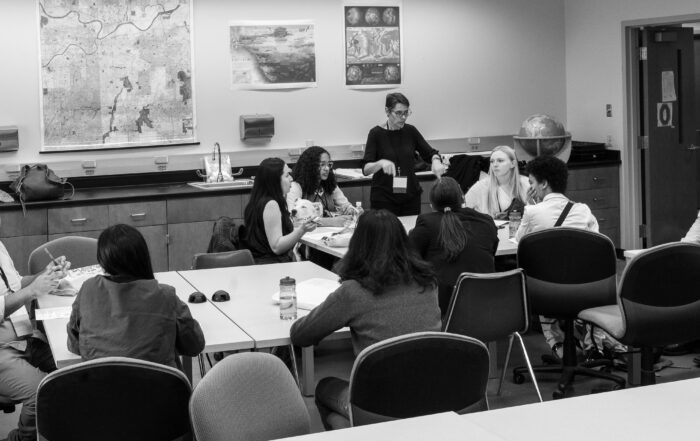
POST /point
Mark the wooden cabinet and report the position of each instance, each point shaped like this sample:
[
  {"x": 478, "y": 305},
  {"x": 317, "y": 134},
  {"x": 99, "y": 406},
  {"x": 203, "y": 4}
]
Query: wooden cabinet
[
  {"x": 22, "y": 234},
  {"x": 599, "y": 188},
  {"x": 190, "y": 224}
]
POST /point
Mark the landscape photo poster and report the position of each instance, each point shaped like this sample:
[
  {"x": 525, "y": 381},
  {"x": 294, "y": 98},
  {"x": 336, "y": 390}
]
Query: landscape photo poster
[
  {"x": 116, "y": 74},
  {"x": 373, "y": 45},
  {"x": 272, "y": 54}
]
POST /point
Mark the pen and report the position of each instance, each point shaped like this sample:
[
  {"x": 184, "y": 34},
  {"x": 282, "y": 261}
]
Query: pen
[{"x": 53, "y": 259}]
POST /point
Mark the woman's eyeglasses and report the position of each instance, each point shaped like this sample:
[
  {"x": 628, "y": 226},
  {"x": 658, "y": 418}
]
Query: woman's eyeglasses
[
  {"x": 329, "y": 165},
  {"x": 402, "y": 114}
]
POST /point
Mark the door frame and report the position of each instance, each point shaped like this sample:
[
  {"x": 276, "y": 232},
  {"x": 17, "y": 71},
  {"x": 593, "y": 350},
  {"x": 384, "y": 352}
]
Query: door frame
[{"x": 630, "y": 172}]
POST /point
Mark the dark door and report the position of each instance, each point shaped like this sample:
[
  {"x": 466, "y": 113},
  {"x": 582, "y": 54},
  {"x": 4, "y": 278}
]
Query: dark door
[{"x": 669, "y": 171}]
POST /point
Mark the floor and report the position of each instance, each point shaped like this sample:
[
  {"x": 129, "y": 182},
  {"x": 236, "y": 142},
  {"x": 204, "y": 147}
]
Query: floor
[{"x": 336, "y": 358}]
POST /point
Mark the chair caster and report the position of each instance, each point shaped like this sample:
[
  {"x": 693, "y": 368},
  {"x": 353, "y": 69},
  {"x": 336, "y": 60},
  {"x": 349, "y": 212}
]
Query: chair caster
[
  {"x": 218, "y": 356},
  {"x": 561, "y": 391},
  {"x": 518, "y": 378}
]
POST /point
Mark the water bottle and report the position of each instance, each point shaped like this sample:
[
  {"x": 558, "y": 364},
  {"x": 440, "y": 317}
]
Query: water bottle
[
  {"x": 288, "y": 299},
  {"x": 514, "y": 218},
  {"x": 358, "y": 212}
]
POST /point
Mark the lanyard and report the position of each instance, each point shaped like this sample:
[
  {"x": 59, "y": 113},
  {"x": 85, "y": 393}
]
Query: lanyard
[{"x": 4, "y": 279}]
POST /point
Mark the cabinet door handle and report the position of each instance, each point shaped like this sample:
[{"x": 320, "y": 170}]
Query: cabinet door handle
[
  {"x": 137, "y": 215},
  {"x": 80, "y": 220},
  {"x": 598, "y": 199},
  {"x": 602, "y": 219}
]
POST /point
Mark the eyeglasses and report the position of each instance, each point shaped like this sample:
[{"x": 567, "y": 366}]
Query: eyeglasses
[
  {"x": 404, "y": 114},
  {"x": 326, "y": 164}
]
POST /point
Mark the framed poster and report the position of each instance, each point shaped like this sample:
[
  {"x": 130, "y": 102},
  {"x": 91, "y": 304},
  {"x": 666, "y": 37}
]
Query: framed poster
[
  {"x": 115, "y": 74},
  {"x": 373, "y": 45},
  {"x": 272, "y": 54}
]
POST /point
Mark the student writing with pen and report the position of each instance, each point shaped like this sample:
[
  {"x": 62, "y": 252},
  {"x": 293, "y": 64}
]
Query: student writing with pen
[{"x": 24, "y": 361}]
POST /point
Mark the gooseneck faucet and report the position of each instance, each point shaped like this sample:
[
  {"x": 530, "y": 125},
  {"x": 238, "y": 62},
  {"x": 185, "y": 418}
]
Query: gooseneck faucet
[{"x": 217, "y": 149}]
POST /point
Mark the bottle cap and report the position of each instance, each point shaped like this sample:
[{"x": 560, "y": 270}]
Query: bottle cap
[{"x": 288, "y": 281}]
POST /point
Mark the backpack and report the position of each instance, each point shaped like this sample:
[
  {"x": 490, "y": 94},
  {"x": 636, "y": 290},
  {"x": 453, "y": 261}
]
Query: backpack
[{"x": 224, "y": 236}]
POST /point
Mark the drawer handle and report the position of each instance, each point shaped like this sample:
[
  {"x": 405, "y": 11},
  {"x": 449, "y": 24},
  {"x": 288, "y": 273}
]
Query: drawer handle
[
  {"x": 602, "y": 219},
  {"x": 80, "y": 220},
  {"x": 138, "y": 215},
  {"x": 598, "y": 199},
  {"x": 596, "y": 179}
]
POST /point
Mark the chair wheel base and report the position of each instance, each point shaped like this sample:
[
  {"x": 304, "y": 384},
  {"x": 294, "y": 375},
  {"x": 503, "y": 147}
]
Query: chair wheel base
[
  {"x": 518, "y": 378},
  {"x": 562, "y": 391}
]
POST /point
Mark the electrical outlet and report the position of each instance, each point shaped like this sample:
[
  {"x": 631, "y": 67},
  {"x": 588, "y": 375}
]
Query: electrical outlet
[
  {"x": 310, "y": 143},
  {"x": 89, "y": 167},
  {"x": 295, "y": 153},
  {"x": 609, "y": 141},
  {"x": 161, "y": 163},
  {"x": 608, "y": 110}
]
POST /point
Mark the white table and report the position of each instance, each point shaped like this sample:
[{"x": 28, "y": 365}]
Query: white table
[
  {"x": 441, "y": 426},
  {"x": 659, "y": 412},
  {"x": 251, "y": 306},
  {"x": 505, "y": 246},
  {"x": 220, "y": 333}
]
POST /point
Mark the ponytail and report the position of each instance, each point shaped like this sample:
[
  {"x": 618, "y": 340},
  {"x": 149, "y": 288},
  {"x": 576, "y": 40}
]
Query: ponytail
[{"x": 452, "y": 237}]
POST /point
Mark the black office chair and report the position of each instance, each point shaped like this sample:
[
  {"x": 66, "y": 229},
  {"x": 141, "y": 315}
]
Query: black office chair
[
  {"x": 113, "y": 399},
  {"x": 658, "y": 302},
  {"x": 568, "y": 270},
  {"x": 490, "y": 307},
  {"x": 418, "y": 374},
  {"x": 222, "y": 260}
]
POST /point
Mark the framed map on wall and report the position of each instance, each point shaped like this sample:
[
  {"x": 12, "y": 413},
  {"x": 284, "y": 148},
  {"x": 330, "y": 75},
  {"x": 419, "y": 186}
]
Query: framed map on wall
[
  {"x": 373, "y": 49},
  {"x": 116, "y": 74}
]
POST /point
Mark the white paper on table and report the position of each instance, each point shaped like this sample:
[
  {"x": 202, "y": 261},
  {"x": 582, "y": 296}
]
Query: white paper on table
[
  {"x": 311, "y": 292},
  {"x": 70, "y": 285},
  {"x": 499, "y": 223},
  {"x": 53, "y": 313},
  {"x": 21, "y": 323},
  {"x": 325, "y": 232},
  {"x": 352, "y": 173}
]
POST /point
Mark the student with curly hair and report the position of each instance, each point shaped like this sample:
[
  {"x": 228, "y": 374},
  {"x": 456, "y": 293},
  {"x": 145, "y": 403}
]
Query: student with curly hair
[
  {"x": 386, "y": 290},
  {"x": 454, "y": 238},
  {"x": 314, "y": 180}
]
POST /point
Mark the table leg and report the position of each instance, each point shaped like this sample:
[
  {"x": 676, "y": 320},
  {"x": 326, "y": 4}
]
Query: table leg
[
  {"x": 493, "y": 359},
  {"x": 634, "y": 367},
  {"x": 307, "y": 371}
]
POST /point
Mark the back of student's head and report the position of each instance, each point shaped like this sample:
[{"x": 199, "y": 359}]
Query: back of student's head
[
  {"x": 122, "y": 251},
  {"x": 379, "y": 255},
  {"x": 550, "y": 169},
  {"x": 446, "y": 198}
]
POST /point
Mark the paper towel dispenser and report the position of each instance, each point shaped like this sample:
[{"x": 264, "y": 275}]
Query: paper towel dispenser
[
  {"x": 9, "y": 139},
  {"x": 257, "y": 126}
]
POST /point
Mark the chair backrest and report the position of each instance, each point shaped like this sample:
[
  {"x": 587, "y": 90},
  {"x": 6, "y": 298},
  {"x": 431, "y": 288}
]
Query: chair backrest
[
  {"x": 248, "y": 396},
  {"x": 418, "y": 374},
  {"x": 568, "y": 270},
  {"x": 660, "y": 296},
  {"x": 221, "y": 260},
  {"x": 79, "y": 251},
  {"x": 488, "y": 306},
  {"x": 113, "y": 398}
]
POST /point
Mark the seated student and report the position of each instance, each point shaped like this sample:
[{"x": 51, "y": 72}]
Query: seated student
[
  {"x": 126, "y": 312},
  {"x": 548, "y": 177},
  {"x": 386, "y": 290},
  {"x": 269, "y": 233},
  {"x": 314, "y": 180},
  {"x": 454, "y": 239},
  {"x": 503, "y": 189},
  {"x": 24, "y": 361},
  {"x": 693, "y": 234}
]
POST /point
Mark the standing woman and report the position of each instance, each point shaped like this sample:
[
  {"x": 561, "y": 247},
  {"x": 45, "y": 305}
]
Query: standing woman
[
  {"x": 314, "y": 180},
  {"x": 389, "y": 155},
  {"x": 454, "y": 239},
  {"x": 386, "y": 290},
  {"x": 504, "y": 186},
  {"x": 269, "y": 233}
]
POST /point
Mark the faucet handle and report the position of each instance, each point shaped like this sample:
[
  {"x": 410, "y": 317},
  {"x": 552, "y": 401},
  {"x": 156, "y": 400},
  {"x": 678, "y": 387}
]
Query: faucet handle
[{"x": 238, "y": 173}]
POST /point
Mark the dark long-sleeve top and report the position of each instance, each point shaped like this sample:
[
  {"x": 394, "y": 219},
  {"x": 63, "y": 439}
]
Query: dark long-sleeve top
[
  {"x": 397, "y": 146},
  {"x": 476, "y": 257},
  {"x": 402, "y": 309},
  {"x": 139, "y": 319}
]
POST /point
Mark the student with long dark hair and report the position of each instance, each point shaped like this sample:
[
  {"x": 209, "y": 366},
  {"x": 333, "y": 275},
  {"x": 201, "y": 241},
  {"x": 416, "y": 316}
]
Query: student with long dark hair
[
  {"x": 454, "y": 239},
  {"x": 269, "y": 232},
  {"x": 126, "y": 312},
  {"x": 386, "y": 290},
  {"x": 314, "y": 180}
]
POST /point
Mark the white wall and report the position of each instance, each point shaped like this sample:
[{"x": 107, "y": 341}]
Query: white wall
[
  {"x": 472, "y": 68},
  {"x": 595, "y": 57}
]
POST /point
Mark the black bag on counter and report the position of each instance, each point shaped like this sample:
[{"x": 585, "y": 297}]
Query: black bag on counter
[{"x": 39, "y": 183}]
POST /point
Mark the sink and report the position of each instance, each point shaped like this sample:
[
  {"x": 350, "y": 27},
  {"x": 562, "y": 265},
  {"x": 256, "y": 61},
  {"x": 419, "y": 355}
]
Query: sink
[{"x": 238, "y": 183}]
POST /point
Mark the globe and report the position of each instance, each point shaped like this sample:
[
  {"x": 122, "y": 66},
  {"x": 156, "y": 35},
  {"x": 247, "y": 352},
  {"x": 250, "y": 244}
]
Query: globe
[
  {"x": 372, "y": 16},
  {"x": 542, "y": 135}
]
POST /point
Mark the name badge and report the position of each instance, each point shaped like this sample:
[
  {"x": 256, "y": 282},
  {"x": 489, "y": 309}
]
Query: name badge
[{"x": 400, "y": 184}]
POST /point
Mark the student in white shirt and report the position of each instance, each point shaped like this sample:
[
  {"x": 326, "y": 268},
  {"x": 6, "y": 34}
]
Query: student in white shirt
[
  {"x": 548, "y": 177},
  {"x": 24, "y": 361}
]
